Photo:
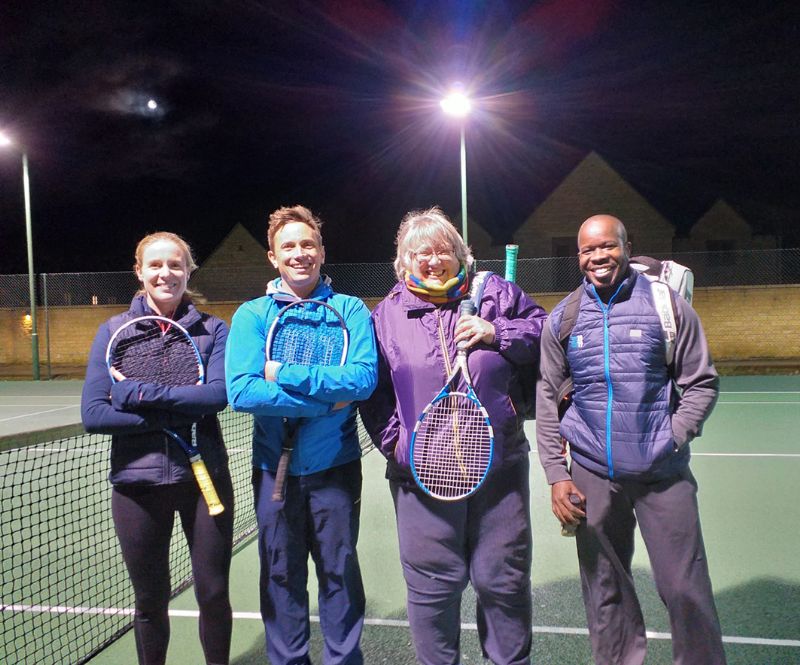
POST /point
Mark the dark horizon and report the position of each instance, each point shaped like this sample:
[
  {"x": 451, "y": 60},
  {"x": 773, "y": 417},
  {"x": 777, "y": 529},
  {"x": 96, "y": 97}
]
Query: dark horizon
[{"x": 335, "y": 106}]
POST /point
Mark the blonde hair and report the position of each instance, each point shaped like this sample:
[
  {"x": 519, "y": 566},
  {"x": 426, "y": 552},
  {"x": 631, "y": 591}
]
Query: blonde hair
[
  {"x": 286, "y": 215},
  {"x": 183, "y": 246},
  {"x": 427, "y": 226}
]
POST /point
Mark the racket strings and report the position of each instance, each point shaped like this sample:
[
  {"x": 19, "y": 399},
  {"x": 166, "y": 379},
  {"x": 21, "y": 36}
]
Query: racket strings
[
  {"x": 305, "y": 337},
  {"x": 452, "y": 449},
  {"x": 166, "y": 358}
]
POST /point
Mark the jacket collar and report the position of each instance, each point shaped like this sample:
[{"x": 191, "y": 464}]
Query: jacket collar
[
  {"x": 186, "y": 313},
  {"x": 627, "y": 284},
  {"x": 409, "y": 300},
  {"x": 322, "y": 291}
]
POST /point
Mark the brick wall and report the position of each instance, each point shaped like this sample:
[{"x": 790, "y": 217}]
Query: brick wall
[{"x": 741, "y": 323}]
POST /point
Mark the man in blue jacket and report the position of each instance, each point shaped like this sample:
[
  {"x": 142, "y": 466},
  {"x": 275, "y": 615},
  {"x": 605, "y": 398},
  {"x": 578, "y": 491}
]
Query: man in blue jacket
[
  {"x": 320, "y": 513},
  {"x": 628, "y": 430}
]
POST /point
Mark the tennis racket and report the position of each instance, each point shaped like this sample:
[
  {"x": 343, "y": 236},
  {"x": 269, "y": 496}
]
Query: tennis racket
[
  {"x": 453, "y": 441},
  {"x": 155, "y": 349},
  {"x": 305, "y": 332},
  {"x": 512, "y": 251}
]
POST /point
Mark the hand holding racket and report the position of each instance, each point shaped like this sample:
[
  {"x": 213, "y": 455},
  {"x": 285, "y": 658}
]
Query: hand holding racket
[
  {"x": 305, "y": 332},
  {"x": 155, "y": 349},
  {"x": 453, "y": 441},
  {"x": 471, "y": 329}
]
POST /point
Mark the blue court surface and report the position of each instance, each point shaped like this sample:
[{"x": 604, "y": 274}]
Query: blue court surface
[{"x": 747, "y": 464}]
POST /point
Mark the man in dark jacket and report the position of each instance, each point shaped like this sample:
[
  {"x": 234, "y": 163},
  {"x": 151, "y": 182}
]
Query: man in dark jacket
[{"x": 628, "y": 431}]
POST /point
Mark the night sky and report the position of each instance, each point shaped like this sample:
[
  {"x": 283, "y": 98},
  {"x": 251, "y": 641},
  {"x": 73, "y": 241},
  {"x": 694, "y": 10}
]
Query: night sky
[{"x": 334, "y": 104}]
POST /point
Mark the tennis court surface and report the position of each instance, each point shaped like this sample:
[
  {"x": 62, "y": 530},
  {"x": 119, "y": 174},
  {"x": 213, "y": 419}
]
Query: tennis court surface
[{"x": 65, "y": 593}]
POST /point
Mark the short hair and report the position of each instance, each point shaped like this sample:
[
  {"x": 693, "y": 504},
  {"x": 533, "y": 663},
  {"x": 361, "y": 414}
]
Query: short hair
[
  {"x": 185, "y": 248},
  {"x": 431, "y": 225},
  {"x": 286, "y": 215}
]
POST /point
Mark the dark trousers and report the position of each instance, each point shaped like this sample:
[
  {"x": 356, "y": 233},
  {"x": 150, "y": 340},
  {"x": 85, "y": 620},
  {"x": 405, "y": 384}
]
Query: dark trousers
[
  {"x": 484, "y": 540},
  {"x": 144, "y": 518},
  {"x": 320, "y": 516},
  {"x": 670, "y": 525}
]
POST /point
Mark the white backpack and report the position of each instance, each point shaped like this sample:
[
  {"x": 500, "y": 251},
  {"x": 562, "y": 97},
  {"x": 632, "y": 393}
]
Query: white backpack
[{"x": 662, "y": 274}]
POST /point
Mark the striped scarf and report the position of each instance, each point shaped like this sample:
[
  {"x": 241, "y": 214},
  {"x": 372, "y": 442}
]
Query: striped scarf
[{"x": 455, "y": 288}]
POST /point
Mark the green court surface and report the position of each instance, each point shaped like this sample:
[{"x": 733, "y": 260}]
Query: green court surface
[{"x": 747, "y": 464}]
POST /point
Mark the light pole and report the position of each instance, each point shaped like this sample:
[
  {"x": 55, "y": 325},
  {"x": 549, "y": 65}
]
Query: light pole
[
  {"x": 4, "y": 142},
  {"x": 458, "y": 105}
]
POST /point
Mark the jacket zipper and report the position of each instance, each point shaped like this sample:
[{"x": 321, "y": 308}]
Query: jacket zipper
[
  {"x": 448, "y": 367},
  {"x": 607, "y": 373}
]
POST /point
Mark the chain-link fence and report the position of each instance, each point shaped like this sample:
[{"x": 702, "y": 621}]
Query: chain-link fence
[
  {"x": 373, "y": 280},
  {"x": 66, "y": 293}
]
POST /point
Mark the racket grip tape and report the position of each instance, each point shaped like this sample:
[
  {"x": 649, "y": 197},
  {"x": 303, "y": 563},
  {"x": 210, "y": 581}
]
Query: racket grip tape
[
  {"x": 279, "y": 489},
  {"x": 206, "y": 486},
  {"x": 512, "y": 252}
]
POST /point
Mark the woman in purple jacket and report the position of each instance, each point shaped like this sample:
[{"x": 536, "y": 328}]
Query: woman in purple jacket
[
  {"x": 151, "y": 476},
  {"x": 485, "y": 539}
]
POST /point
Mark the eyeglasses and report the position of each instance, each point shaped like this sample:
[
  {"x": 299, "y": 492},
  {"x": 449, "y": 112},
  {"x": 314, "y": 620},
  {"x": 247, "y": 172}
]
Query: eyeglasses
[{"x": 426, "y": 254}]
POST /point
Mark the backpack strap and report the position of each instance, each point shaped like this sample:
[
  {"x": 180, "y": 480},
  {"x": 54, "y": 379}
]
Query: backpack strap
[
  {"x": 570, "y": 315},
  {"x": 476, "y": 290},
  {"x": 662, "y": 296},
  {"x": 568, "y": 318}
]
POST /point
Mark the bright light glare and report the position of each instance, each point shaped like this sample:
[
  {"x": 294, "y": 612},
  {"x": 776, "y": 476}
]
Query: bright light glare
[
  {"x": 152, "y": 104},
  {"x": 5, "y": 141},
  {"x": 456, "y": 105}
]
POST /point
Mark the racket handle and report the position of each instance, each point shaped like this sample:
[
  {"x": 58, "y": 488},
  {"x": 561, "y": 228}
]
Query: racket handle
[
  {"x": 466, "y": 308},
  {"x": 206, "y": 485},
  {"x": 279, "y": 489},
  {"x": 512, "y": 251}
]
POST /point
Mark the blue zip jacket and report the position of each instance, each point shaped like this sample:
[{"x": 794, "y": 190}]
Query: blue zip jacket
[
  {"x": 325, "y": 437},
  {"x": 626, "y": 421},
  {"x": 134, "y": 413}
]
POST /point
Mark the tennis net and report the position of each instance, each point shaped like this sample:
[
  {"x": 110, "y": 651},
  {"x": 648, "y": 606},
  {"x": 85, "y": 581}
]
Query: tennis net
[{"x": 65, "y": 590}]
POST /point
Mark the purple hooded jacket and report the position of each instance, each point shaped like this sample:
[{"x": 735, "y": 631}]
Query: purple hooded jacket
[{"x": 411, "y": 368}]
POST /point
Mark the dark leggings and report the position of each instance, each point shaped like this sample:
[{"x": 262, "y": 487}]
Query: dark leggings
[{"x": 143, "y": 518}]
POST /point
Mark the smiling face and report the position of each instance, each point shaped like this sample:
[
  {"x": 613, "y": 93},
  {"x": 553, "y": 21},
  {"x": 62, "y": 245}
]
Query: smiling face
[
  {"x": 163, "y": 270},
  {"x": 435, "y": 262},
  {"x": 298, "y": 257},
  {"x": 603, "y": 252}
]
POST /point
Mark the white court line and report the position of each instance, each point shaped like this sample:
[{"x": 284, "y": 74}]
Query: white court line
[
  {"x": 39, "y": 413},
  {"x": 694, "y": 454},
  {"x": 396, "y": 623},
  {"x": 68, "y": 449},
  {"x": 759, "y": 392},
  {"x": 768, "y": 402}
]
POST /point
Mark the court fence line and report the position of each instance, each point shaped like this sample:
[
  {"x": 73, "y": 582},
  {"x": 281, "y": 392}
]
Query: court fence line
[
  {"x": 749, "y": 301},
  {"x": 756, "y": 267}
]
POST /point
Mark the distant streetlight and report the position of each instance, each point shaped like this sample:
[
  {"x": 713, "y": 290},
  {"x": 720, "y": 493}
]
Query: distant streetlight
[
  {"x": 458, "y": 105},
  {"x": 5, "y": 141}
]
